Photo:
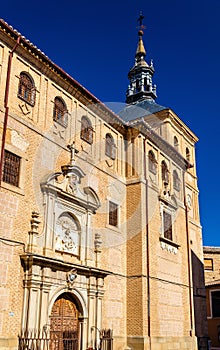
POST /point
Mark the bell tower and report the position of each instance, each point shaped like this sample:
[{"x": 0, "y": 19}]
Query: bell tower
[{"x": 141, "y": 74}]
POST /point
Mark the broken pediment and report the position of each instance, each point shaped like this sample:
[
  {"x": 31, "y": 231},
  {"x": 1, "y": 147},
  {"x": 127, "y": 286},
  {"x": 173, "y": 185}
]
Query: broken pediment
[{"x": 66, "y": 184}]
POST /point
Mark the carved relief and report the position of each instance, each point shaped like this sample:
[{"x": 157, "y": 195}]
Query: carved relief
[{"x": 67, "y": 234}]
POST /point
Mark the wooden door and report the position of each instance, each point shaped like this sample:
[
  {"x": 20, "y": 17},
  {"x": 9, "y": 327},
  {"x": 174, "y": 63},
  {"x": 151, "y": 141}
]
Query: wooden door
[{"x": 64, "y": 324}]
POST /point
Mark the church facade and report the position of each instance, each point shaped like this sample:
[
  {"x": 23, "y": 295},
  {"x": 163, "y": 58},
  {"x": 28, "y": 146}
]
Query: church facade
[{"x": 100, "y": 232}]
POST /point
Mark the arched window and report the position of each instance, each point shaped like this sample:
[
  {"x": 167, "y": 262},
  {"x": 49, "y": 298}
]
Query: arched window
[
  {"x": 109, "y": 146},
  {"x": 176, "y": 181},
  {"x": 175, "y": 142},
  {"x": 60, "y": 111},
  {"x": 164, "y": 172},
  {"x": 137, "y": 85},
  {"x": 26, "y": 88},
  {"x": 152, "y": 163},
  {"x": 187, "y": 154},
  {"x": 86, "y": 130}
]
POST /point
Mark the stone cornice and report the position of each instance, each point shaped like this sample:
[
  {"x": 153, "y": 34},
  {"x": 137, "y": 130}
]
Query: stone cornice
[
  {"x": 47, "y": 67},
  {"x": 30, "y": 259}
]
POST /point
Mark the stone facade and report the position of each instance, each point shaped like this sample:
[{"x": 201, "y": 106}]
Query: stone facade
[
  {"x": 103, "y": 223},
  {"x": 212, "y": 284}
]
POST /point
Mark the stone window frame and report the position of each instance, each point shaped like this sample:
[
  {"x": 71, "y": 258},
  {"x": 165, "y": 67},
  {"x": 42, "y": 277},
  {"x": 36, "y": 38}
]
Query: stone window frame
[
  {"x": 165, "y": 172},
  {"x": 60, "y": 112},
  {"x": 113, "y": 213},
  {"x": 176, "y": 143},
  {"x": 26, "y": 88},
  {"x": 188, "y": 155},
  {"x": 152, "y": 162},
  {"x": 86, "y": 133},
  {"x": 110, "y": 148},
  {"x": 176, "y": 181},
  {"x": 167, "y": 231},
  {"x": 208, "y": 267},
  {"x": 171, "y": 210}
]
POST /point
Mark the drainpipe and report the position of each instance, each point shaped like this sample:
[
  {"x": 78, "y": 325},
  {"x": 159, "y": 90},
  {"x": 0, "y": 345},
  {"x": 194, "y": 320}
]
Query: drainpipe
[
  {"x": 147, "y": 244},
  {"x": 189, "y": 258},
  {"x": 6, "y": 105}
]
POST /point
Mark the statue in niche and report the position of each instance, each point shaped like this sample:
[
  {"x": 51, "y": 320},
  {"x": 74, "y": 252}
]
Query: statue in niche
[{"x": 72, "y": 184}]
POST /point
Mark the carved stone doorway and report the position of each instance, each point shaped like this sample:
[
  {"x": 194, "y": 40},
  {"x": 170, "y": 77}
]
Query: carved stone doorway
[{"x": 64, "y": 324}]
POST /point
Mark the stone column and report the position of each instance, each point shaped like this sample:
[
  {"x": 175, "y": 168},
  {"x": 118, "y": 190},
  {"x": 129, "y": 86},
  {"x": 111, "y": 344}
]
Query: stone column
[{"x": 91, "y": 310}]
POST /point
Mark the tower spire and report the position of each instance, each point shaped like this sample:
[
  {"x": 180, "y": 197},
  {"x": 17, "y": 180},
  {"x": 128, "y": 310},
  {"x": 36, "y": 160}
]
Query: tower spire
[{"x": 140, "y": 75}]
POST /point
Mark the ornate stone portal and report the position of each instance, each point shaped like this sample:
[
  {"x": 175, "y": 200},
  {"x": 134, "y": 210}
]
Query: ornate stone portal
[{"x": 59, "y": 262}]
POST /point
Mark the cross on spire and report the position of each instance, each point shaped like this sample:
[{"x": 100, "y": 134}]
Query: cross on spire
[{"x": 140, "y": 20}]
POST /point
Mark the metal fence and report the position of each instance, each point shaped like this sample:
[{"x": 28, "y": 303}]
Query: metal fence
[{"x": 68, "y": 340}]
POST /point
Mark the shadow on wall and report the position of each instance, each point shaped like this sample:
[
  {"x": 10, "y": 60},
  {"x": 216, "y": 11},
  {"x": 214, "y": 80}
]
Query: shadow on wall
[{"x": 199, "y": 299}]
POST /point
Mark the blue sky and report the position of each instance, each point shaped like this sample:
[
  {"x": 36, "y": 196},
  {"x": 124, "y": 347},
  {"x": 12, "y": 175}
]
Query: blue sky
[{"x": 95, "y": 42}]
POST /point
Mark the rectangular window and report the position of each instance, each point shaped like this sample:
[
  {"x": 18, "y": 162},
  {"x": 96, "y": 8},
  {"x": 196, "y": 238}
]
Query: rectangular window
[
  {"x": 11, "y": 169},
  {"x": 215, "y": 297},
  {"x": 113, "y": 214},
  {"x": 167, "y": 225},
  {"x": 208, "y": 264}
]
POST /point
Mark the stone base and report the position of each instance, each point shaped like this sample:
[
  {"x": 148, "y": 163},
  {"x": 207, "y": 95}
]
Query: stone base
[
  {"x": 163, "y": 343},
  {"x": 9, "y": 343}
]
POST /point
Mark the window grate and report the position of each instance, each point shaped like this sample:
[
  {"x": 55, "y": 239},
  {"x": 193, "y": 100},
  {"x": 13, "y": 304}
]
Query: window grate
[
  {"x": 86, "y": 130},
  {"x": 11, "y": 168},
  {"x": 26, "y": 89}
]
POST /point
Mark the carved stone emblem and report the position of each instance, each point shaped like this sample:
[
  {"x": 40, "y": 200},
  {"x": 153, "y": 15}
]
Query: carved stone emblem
[
  {"x": 70, "y": 277},
  {"x": 24, "y": 108}
]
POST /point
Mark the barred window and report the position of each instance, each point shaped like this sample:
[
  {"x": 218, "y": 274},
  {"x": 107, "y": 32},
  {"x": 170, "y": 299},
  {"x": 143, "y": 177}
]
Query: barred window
[
  {"x": 26, "y": 88},
  {"x": 110, "y": 146},
  {"x": 152, "y": 165},
  {"x": 167, "y": 225},
  {"x": 165, "y": 172},
  {"x": 86, "y": 130},
  {"x": 113, "y": 214},
  {"x": 11, "y": 169},
  {"x": 176, "y": 181},
  {"x": 60, "y": 111}
]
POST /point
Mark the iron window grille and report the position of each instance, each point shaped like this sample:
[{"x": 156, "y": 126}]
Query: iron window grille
[
  {"x": 60, "y": 111},
  {"x": 11, "y": 169},
  {"x": 26, "y": 88},
  {"x": 86, "y": 130},
  {"x": 110, "y": 146},
  {"x": 113, "y": 214}
]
